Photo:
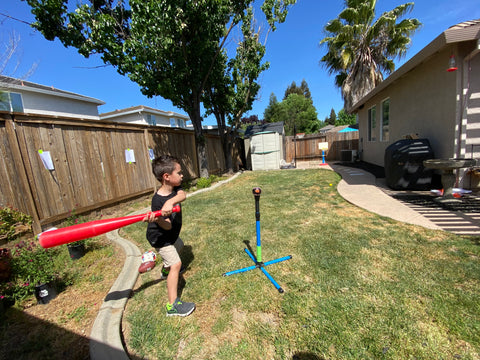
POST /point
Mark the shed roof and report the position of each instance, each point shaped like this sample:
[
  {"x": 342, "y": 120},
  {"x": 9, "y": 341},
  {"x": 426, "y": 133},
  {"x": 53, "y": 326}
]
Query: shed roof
[{"x": 267, "y": 127}]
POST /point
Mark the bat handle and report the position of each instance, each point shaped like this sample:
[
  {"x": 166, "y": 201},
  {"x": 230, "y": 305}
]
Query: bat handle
[{"x": 176, "y": 208}]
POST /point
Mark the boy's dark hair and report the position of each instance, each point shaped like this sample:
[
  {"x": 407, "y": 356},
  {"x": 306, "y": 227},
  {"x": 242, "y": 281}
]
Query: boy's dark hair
[{"x": 164, "y": 164}]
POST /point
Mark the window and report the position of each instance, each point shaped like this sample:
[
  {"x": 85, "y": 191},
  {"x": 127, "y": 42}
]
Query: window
[
  {"x": 181, "y": 123},
  {"x": 151, "y": 120},
  {"x": 385, "y": 120},
  {"x": 11, "y": 102},
  {"x": 173, "y": 122},
  {"x": 372, "y": 114}
]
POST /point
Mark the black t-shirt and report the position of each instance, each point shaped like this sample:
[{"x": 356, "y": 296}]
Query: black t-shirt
[{"x": 158, "y": 237}]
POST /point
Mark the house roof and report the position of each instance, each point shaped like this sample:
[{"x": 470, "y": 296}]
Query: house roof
[
  {"x": 326, "y": 128},
  {"x": 12, "y": 84},
  {"x": 267, "y": 127},
  {"x": 465, "y": 31},
  {"x": 141, "y": 108}
]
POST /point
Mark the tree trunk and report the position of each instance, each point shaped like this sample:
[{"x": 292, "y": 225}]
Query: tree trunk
[
  {"x": 227, "y": 150},
  {"x": 200, "y": 141},
  {"x": 225, "y": 138}
]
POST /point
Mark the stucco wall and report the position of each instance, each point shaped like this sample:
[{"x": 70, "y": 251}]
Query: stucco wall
[
  {"x": 38, "y": 103},
  {"x": 422, "y": 102}
]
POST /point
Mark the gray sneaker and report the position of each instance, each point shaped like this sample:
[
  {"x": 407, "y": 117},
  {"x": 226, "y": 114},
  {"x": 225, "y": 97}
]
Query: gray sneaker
[{"x": 180, "y": 308}]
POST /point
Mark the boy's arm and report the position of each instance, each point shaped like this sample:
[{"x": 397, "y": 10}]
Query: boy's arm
[
  {"x": 168, "y": 206},
  {"x": 160, "y": 220}
]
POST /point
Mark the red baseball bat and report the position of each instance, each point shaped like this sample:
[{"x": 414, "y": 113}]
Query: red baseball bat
[{"x": 56, "y": 237}]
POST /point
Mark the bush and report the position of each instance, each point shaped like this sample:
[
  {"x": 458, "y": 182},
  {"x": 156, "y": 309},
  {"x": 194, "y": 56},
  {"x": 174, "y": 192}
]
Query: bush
[
  {"x": 31, "y": 265},
  {"x": 13, "y": 222},
  {"x": 204, "y": 183}
]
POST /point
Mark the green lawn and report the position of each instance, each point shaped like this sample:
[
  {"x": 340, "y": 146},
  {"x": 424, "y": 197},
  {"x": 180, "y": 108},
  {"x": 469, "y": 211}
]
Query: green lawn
[{"x": 359, "y": 286}]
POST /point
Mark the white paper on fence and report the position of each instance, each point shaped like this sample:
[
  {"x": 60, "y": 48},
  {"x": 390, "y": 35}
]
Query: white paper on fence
[
  {"x": 46, "y": 159},
  {"x": 151, "y": 154},
  {"x": 129, "y": 156}
]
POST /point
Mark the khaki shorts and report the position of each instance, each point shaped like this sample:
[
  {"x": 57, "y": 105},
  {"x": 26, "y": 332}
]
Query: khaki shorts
[{"x": 170, "y": 253}]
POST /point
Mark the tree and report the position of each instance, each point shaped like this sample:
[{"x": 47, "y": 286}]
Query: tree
[
  {"x": 332, "y": 118},
  {"x": 294, "y": 89},
  {"x": 360, "y": 49},
  {"x": 10, "y": 58},
  {"x": 233, "y": 88},
  {"x": 271, "y": 112},
  {"x": 296, "y": 111},
  {"x": 345, "y": 119},
  {"x": 169, "y": 47}
]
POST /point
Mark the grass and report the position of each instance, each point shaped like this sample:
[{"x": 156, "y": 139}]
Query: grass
[{"x": 359, "y": 286}]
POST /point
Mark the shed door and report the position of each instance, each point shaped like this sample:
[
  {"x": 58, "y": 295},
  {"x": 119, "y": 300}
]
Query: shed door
[{"x": 265, "y": 150}]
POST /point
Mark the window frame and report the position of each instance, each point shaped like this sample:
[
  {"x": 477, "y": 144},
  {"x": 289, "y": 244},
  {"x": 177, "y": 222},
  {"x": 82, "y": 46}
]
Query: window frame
[
  {"x": 11, "y": 103},
  {"x": 385, "y": 129},
  {"x": 371, "y": 123}
]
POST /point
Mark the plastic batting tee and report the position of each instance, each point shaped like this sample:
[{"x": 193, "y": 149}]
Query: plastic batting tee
[{"x": 258, "y": 261}]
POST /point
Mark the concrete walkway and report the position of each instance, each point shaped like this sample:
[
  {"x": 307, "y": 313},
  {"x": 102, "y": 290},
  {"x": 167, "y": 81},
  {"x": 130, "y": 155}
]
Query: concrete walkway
[{"x": 359, "y": 188}]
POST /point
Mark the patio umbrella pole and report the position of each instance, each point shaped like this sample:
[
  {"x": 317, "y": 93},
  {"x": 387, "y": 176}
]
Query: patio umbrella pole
[{"x": 259, "y": 264}]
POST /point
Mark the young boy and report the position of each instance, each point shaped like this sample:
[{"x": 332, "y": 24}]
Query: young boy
[{"x": 163, "y": 231}]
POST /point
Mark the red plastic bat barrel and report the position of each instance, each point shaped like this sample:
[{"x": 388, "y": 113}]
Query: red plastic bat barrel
[{"x": 51, "y": 238}]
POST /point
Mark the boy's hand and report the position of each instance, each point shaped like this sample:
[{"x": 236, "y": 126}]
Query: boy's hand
[
  {"x": 167, "y": 209},
  {"x": 149, "y": 217}
]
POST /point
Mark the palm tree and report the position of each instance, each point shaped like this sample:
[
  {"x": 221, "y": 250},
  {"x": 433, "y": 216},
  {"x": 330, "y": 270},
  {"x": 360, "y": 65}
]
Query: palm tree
[{"x": 361, "y": 49}]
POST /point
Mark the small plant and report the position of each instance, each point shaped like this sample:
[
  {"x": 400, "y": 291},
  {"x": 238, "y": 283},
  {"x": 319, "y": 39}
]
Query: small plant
[
  {"x": 31, "y": 265},
  {"x": 206, "y": 182},
  {"x": 203, "y": 183},
  {"x": 12, "y": 223},
  {"x": 74, "y": 219}
]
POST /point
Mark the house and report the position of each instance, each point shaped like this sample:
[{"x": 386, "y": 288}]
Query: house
[
  {"x": 435, "y": 95},
  {"x": 22, "y": 96},
  {"x": 145, "y": 115},
  {"x": 264, "y": 146}
]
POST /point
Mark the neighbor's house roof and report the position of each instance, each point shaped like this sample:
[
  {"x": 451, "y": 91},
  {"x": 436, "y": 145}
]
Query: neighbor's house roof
[
  {"x": 12, "y": 84},
  {"x": 465, "y": 31},
  {"x": 267, "y": 127},
  {"x": 141, "y": 108},
  {"x": 326, "y": 128}
]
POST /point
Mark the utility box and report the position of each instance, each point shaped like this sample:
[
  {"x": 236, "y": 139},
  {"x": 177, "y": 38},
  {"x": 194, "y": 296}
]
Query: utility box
[{"x": 404, "y": 168}]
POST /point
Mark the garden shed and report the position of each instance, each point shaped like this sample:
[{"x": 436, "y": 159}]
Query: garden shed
[{"x": 264, "y": 146}]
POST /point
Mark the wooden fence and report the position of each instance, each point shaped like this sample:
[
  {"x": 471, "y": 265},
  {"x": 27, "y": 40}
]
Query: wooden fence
[
  {"x": 306, "y": 148},
  {"x": 89, "y": 161}
]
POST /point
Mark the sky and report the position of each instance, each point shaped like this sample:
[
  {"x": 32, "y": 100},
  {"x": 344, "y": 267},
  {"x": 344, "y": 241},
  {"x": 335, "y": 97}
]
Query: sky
[{"x": 293, "y": 52}]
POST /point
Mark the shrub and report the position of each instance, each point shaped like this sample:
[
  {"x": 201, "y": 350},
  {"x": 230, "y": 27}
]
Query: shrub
[
  {"x": 204, "y": 183},
  {"x": 13, "y": 222},
  {"x": 31, "y": 265}
]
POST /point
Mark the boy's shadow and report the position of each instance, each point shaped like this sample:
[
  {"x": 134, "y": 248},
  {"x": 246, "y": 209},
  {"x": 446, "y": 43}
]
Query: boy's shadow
[{"x": 187, "y": 257}]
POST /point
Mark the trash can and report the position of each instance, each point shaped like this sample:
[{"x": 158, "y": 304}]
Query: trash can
[{"x": 404, "y": 168}]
